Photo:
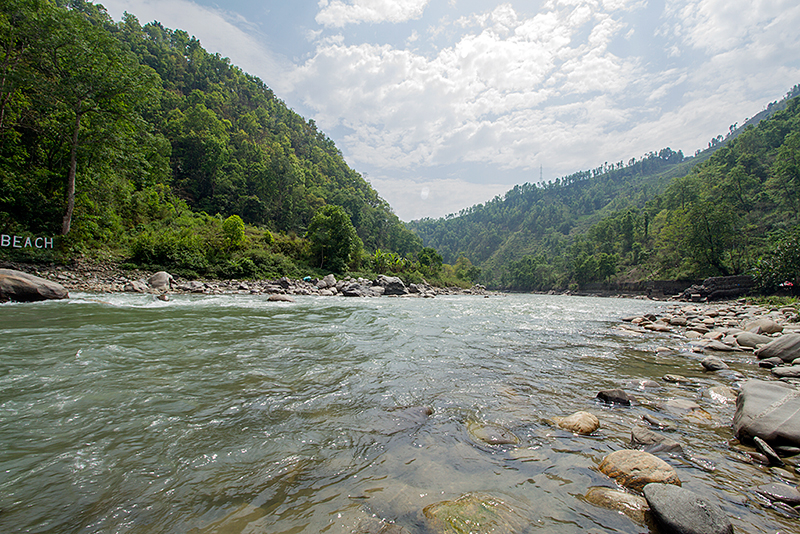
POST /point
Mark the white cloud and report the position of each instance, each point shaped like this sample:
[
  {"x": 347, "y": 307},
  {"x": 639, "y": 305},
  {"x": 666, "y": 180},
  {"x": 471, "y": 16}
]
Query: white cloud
[
  {"x": 337, "y": 13},
  {"x": 481, "y": 99},
  {"x": 218, "y": 31},
  {"x": 413, "y": 200}
]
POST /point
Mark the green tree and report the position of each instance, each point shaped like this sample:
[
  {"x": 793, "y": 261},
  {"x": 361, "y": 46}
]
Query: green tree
[
  {"x": 334, "y": 241},
  {"x": 89, "y": 77},
  {"x": 233, "y": 230}
]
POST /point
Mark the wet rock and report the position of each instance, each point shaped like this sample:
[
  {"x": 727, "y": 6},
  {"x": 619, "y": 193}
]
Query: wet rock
[
  {"x": 680, "y": 511},
  {"x": 780, "y": 492},
  {"x": 791, "y": 371},
  {"x": 769, "y": 410},
  {"x": 18, "y": 286},
  {"x": 786, "y": 347},
  {"x": 712, "y": 363},
  {"x": 675, "y": 379},
  {"x": 635, "y": 469},
  {"x": 161, "y": 281},
  {"x": 580, "y": 423},
  {"x": 473, "y": 512},
  {"x": 721, "y": 394},
  {"x": 769, "y": 363},
  {"x": 764, "y": 448},
  {"x": 277, "y": 297},
  {"x": 492, "y": 434},
  {"x": 633, "y": 506},
  {"x": 658, "y": 423},
  {"x": 615, "y": 396},
  {"x": 649, "y": 441}
]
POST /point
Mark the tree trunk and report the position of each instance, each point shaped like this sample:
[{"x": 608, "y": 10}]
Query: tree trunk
[{"x": 73, "y": 165}]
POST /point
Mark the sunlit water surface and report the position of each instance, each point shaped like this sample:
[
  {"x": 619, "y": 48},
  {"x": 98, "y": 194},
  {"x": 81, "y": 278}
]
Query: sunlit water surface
[{"x": 232, "y": 414}]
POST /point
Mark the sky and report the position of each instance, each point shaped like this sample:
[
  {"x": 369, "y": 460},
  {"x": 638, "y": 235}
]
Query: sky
[{"x": 444, "y": 104}]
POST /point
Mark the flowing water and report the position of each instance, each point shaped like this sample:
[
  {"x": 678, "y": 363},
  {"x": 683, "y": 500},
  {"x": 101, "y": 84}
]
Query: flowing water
[{"x": 232, "y": 414}]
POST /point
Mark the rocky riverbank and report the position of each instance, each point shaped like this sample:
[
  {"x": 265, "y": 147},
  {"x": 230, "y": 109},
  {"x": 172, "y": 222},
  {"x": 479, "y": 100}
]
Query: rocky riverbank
[{"x": 109, "y": 278}]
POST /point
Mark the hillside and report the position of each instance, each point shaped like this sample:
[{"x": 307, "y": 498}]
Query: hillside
[
  {"x": 636, "y": 220},
  {"x": 130, "y": 138}
]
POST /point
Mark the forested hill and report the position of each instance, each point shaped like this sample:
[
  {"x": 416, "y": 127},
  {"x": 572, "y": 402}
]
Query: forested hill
[
  {"x": 144, "y": 123},
  {"x": 662, "y": 216}
]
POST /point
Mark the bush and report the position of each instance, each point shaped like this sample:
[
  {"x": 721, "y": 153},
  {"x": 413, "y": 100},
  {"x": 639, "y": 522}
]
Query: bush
[
  {"x": 173, "y": 248},
  {"x": 780, "y": 265}
]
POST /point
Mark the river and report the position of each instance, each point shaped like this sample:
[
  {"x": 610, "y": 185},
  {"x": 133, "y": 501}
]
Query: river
[{"x": 122, "y": 413}]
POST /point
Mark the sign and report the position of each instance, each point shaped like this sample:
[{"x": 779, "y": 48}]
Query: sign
[{"x": 19, "y": 241}]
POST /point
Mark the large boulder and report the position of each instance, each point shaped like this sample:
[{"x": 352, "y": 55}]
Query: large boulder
[
  {"x": 635, "y": 469},
  {"x": 680, "y": 511},
  {"x": 768, "y": 410},
  {"x": 786, "y": 347},
  {"x": 392, "y": 285},
  {"x": 161, "y": 281},
  {"x": 23, "y": 287}
]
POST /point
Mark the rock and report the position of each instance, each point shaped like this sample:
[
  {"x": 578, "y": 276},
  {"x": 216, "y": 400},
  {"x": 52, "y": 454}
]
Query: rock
[
  {"x": 712, "y": 363},
  {"x": 749, "y": 339},
  {"x": 786, "y": 347},
  {"x": 764, "y": 448},
  {"x": 392, "y": 285},
  {"x": 790, "y": 371},
  {"x": 580, "y": 423},
  {"x": 769, "y": 410},
  {"x": 721, "y": 394},
  {"x": 23, "y": 287},
  {"x": 635, "y": 469},
  {"x": 473, "y": 512},
  {"x": 615, "y": 396},
  {"x": 680, "y": 511},
  {"x": 659, "y": 424},
  {"x": 631, "y": 505},
  {"x": 762, "y": 326},
  {"x": 161, "y": 281},
  {"x": 675, "y": 379},
  {"x": 135, "y": 286},
  {"x": 328, "y": 281},
  {"x": 780, "y": 492},
  {"x": 649, "y": 441},
  {"x": 276, "y": 297},
  {"x": 492, "y": 434},
  {"x": 769, "y": 363}
]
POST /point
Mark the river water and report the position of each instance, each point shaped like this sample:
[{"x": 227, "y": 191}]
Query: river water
[{"x": 121, "y": 413}]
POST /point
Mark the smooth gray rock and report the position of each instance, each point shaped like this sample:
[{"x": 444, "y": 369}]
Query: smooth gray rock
[
  {"x": 769, "y": 363},
  {"x": 649, "y": 441},
  {"x": 681, "y": 511},
  {"x": 786, "y": 347},
  {"x": 790, "y": 371},
  {"x": 780, "y": 492},
  {"x": 764, "y": 325},
  {"x": 23, "y": 287},
  {"x": 769, "y": 410},
  {"x": 749, "y": 339},
  {"x": 712, "y": 363}
]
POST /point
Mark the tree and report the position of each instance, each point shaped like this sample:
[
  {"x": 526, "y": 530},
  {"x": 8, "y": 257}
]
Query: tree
[
  {"x": 334, "y": 241},
  {"x": 88, "y": 77}
]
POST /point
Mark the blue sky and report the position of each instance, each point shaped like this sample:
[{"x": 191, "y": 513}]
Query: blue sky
[{"x": 443, "y": 104}]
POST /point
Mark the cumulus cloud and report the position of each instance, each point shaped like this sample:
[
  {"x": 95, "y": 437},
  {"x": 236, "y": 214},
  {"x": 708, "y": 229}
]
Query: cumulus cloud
[
  {"x": 337, "y": 13},
  {"x": 494, "y": 95}
]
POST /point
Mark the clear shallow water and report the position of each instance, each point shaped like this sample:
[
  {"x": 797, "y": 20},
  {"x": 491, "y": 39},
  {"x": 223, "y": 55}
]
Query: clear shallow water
[{"x": 232, "y": 414}]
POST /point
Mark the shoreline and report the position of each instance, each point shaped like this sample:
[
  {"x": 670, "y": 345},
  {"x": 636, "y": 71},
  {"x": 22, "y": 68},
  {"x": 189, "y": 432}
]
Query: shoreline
[{"x": 108, "y": 277}]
